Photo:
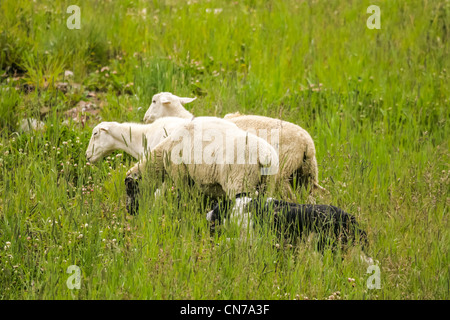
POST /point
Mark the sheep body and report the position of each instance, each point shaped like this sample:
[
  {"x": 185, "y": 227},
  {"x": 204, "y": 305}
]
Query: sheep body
[
  {"x": 296, "y": 149},
  {"x": 220, "y": 174}
]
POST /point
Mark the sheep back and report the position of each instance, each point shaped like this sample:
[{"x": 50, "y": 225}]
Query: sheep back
[
  {"x": 296, "y": 148},
  {"x": 232, "y": 176}
]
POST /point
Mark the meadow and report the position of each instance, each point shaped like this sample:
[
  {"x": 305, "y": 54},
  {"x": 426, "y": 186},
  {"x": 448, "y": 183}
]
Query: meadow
[{"x": 375, "y": 101}]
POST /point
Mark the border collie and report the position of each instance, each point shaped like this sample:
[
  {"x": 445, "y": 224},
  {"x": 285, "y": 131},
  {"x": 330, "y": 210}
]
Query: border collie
[{"x": 293, "y": 220}]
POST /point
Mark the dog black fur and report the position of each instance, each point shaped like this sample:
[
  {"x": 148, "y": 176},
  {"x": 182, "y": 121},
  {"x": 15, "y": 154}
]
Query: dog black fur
[
  {"x": 291, "y": 220},
  {"x": 219, "y": 211},
  {"x": 332, "y": 224}
]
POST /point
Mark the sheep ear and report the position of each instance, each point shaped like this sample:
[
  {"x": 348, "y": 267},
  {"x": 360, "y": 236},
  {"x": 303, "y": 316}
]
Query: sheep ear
[
  {"x": 104, "y": 129},
  {"x": 164, "y": 100},
  {"x": 186, "y": 100}
]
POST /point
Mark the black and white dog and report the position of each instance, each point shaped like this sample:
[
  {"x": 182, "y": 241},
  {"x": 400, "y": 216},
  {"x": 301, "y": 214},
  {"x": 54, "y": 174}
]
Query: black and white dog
[{"x": 292, "y": 220}]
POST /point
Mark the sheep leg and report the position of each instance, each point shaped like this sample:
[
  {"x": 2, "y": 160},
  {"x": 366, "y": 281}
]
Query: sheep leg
[
  {"x": 132, "y": 189},
  {"x": 318, "y": 187},
  {"x": 313, "y": 168},
  {"x": 136, "y": 169},
  {"x": 288, "y": 193},
  {"x": 132, "y": 185},
  {"x": 217, "y": 214}
]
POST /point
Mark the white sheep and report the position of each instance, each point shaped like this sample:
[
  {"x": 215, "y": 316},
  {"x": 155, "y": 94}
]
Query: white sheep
[
  {"x": 166, "y": 104},
  {"x": 220, "y": 158},
  {"x": 296, "y": 149}
]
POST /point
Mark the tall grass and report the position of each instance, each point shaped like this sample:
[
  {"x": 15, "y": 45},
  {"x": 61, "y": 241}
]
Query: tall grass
[{"x": 376, "y": 103}]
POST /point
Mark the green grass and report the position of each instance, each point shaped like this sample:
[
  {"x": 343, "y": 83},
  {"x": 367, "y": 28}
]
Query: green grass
[{"x": 376, "y": 103}]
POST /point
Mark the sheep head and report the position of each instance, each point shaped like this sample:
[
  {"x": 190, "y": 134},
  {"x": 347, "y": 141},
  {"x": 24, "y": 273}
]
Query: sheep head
[
  {"x": 101, "y": 143},
  {"x": 166, "y": 104}
]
